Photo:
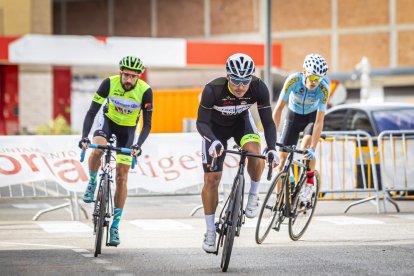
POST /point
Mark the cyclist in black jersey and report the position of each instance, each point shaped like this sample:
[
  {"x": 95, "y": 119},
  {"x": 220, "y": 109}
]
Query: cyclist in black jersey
[
  {"x": 224, "y": 113},
  {"x": 126, "y": 96}
]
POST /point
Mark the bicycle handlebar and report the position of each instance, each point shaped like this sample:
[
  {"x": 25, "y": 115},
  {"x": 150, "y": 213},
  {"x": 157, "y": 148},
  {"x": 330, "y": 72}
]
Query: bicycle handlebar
[
  {"x": 110, "y": 148},
  {"x": 242, "y": 152}
]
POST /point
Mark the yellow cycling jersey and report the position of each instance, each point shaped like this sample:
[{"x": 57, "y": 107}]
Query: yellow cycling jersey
[{"x": 124, "y": 107}]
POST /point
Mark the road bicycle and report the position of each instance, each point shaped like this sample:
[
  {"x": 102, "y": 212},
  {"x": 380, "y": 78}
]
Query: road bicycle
[
  {"x": 104, "y": 208},
  {"x": 286, "y": 202},
  {"x": 232, "y": 215}
]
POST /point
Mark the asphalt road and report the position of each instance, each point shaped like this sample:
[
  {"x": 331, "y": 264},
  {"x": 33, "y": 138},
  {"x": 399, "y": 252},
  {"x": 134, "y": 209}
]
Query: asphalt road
[{"x": 159, "y": 237}]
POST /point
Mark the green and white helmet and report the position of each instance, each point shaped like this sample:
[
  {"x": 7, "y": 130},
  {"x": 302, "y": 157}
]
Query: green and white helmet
[{"x": 132, "y": 63}]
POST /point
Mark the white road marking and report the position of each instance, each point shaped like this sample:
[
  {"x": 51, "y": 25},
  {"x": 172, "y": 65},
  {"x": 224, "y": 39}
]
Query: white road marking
[
  {"x": 343, "y": 220},
  {"x": 64, "y": 226},
  {"x": 88, "y": 255},
  {"x": 113, "y": 267},
  {"x": 101, "y": 261},
  {"x": 37, "y": 244},
  {"x": 410, "y": 217},
  {"x": 160, "y": 224},
  {"x": 80, "y": 250}
]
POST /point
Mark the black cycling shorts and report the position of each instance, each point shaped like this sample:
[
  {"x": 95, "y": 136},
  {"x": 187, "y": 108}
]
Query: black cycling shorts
[
  {"x": 124, "y": 134},
  {"x": 242, "y": 132},
  {"x": 294, "y": 124}
]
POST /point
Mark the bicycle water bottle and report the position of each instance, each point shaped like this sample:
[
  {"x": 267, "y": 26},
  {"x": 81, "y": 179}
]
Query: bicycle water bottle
[{"x": 292, "y": 182}]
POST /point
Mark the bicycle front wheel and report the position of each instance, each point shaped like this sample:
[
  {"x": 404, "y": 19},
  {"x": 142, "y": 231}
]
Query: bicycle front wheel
[
  {"x": 100, "y": 214},
  {"x": 271, "y": 207},
  {"x": 303, "y": 211},
  {"x": 232, "y": 218}
]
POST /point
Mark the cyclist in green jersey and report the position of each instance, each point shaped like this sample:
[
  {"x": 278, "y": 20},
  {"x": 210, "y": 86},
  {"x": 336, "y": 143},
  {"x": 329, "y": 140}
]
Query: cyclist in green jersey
[{"x": 126, "y": 96}]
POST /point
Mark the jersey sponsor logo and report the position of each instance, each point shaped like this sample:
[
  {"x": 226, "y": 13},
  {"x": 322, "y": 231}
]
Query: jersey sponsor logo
[
  {"x": 243, "y": 102},
  {"x": 123, "y": 110},
  {"x": 228, "y": 102},
  {"x": 124, "y": 106},
  {"x": 148, "y": 106},
  {"x": 232, "y": 110},
  {"x": 228, "y": 98}
]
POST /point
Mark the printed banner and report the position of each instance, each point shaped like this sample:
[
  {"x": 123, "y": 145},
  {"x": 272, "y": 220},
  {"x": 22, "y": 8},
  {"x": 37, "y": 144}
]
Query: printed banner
[{"x": 170, "y": 162}]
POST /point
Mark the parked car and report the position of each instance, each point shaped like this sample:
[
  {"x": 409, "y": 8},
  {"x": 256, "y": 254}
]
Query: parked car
[{"x": 372, "y": 118}]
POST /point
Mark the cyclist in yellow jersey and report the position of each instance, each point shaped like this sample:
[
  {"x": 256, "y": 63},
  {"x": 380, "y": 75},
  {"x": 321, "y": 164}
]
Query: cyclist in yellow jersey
[{"x": 126, "y": 96}]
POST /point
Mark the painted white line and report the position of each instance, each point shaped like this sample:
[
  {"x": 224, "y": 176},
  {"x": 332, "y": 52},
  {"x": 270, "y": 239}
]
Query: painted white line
[
  {"x": 88, "y": 255},
  {"x": 80, "y": 250},
  {"x": 101, "y": 261},
  {"x": 64, "y": 226},
  {"x": 410, "y": 217},
  {"x": 37, "y": 244},
  {"x": 343, "y": 220},
  {"x": 113, "y": 267},
  {"x": 32, "y": 206},
  {"x": 160, "y": 224}
]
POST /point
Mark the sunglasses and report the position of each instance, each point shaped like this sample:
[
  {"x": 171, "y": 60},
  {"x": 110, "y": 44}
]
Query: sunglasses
[
  {"x": 129, "y": 75},
  {"x": 238, "y": 81},
  {"x": 315, "y": 78}
]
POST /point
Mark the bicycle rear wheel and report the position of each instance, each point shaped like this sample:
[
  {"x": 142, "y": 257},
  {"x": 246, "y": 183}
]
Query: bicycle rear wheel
[
  {"x": 303, "y": 212},
  {"x": 271, "y": 207},
  {"x": 100, "y": 214},
  {"x": 232, "y": 218}
]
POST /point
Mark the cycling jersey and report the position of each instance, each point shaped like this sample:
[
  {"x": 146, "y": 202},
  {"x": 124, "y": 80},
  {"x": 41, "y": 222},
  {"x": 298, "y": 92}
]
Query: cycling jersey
[
  {"x": 123, "y": 107},
  {"x": 220, "y": 107},
  {"x": 302, "y": 100}
]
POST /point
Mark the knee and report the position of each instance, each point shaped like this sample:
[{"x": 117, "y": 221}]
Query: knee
[
  {"x": 121, "y": 179},
  {"x": 212, "y": 181}
]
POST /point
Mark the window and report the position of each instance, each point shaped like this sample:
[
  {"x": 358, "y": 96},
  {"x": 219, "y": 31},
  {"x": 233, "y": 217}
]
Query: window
[
  {"x": 396, "y": 119},
  {"x": 359, "y": 120},
  {"x": 334, "y": 121}
]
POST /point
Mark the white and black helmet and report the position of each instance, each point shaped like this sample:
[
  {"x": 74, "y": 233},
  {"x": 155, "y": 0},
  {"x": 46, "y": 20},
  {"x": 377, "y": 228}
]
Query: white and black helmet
[
  {"x": 315, "y": 64},
  {"x": 240, "y": 66}
]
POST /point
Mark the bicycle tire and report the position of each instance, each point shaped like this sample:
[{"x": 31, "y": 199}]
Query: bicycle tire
[
  {"x": 101, "y": 198},
  {"x": 271, "y": 206},
  {"x": 233, "y": 218},
  {"x": 303, "y": 213}
]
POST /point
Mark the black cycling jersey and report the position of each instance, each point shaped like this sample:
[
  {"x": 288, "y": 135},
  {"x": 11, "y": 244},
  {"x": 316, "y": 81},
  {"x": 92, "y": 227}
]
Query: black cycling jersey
[
  {"x": 103, "y": 91},
  {"x": 220, "y": 107}
]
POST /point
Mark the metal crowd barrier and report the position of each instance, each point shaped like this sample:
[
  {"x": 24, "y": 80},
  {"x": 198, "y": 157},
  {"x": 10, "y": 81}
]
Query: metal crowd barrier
[
  {"x": 347, "y": 165},
  {"x": 43, "y": 190},
  {"x": 396, "y": 150}
]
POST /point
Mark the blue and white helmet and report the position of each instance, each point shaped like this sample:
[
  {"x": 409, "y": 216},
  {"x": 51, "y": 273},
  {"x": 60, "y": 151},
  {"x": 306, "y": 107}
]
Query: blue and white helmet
[
  {"x": 315, "y": 64},
  {"x": 240, "y": 66}
]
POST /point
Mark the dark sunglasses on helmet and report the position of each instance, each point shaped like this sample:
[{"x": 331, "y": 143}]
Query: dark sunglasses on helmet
[{"x": 237, "y": 81}]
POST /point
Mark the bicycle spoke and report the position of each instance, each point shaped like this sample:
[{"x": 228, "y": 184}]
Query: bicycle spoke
[
  {"x": 303, "y": 212},
  {"x": 271, "y": 209}
]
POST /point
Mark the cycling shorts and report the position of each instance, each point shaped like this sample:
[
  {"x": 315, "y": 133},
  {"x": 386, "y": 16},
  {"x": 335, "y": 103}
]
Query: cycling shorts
[
  {"x": 125, "y": 136},
  {"x": 243, "y": 131},
  {"x": 294, "y": 124}
]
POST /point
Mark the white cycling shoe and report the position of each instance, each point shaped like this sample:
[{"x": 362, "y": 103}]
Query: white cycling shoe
[
  {"x": 209, "y": 243},
  {"x": 252, "y": 207},
  {"x": 306, "y": 193}
]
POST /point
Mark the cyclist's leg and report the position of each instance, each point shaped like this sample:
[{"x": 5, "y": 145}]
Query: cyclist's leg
[
  {"x": 247, "y": 136},
  {"x": 209, "y": 194},
  {"x": 125, "y": 138},
  {"x": 99, "y": 137},
  {"x": 306, "y": 191},
  {"x": 292, "y": 125}
]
